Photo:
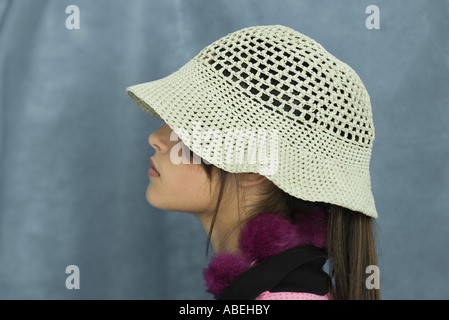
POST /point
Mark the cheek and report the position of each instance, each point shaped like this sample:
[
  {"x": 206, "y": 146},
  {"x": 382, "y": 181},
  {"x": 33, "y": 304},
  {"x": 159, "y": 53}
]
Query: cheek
[{"x": 193, "y": 187}]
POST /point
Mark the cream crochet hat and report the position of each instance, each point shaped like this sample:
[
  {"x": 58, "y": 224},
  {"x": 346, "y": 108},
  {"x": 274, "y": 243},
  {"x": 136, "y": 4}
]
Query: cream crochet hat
[{"x": 271, "y": 93}]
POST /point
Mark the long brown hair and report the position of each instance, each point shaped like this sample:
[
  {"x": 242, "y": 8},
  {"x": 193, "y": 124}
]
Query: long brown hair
[{"x": 350, "y": 237}]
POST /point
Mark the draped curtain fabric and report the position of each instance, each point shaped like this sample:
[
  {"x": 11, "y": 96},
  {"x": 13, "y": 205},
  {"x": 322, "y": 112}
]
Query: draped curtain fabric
[{"x": 74, "y": 150}]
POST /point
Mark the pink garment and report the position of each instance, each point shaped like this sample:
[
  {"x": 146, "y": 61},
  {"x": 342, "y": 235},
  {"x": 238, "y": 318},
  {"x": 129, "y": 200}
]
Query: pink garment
[{"x": 267, "y": 295}]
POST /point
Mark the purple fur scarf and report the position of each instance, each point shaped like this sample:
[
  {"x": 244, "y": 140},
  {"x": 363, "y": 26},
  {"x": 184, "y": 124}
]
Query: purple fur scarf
[{"x": 264, "y": 236}]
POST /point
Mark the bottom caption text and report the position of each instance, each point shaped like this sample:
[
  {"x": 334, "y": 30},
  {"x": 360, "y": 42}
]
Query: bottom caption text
[{"x": 228, "y": 309}]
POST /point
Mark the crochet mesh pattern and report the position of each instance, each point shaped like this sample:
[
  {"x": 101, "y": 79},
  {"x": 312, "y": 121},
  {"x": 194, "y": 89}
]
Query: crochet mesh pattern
[{"x": 279, "y": 80}]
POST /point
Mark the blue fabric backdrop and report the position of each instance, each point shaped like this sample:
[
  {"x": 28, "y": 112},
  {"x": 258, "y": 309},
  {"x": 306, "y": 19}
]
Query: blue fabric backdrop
[{"x": 74, "y": 151}]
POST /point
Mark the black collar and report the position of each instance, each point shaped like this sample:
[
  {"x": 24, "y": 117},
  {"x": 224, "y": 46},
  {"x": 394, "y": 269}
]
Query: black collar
[{"x": 295, "y": 270}]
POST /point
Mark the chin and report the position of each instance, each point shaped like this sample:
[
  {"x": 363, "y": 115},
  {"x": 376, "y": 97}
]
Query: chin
[
  {"x": 152, "y": 198},
  {"x": 157, "y": 200},
  {"x": 175, "y": 203}
]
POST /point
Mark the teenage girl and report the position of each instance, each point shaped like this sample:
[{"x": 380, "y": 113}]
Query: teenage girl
[{"x": 267, "y": 141}]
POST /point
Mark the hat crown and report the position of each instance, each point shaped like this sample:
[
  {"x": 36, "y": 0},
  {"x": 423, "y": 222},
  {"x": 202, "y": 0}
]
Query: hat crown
[{"x": 293, "y": 76}]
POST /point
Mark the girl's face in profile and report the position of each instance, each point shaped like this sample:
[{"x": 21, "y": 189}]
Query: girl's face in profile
[{"x": 178, "y": 187}]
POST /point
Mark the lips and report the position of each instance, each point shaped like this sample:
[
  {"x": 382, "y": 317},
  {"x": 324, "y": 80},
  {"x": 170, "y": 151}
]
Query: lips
[{"x": 153, "y": 166}]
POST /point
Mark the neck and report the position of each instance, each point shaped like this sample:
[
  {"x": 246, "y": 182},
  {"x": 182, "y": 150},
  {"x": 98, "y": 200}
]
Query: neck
[
  {"x": 225, "y": 234},
  {"x": 227, "y": 225}
]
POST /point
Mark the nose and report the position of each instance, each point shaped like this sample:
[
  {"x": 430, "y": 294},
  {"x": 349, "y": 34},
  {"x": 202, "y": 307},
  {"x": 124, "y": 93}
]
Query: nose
[{"x": 158, "y": 140}]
